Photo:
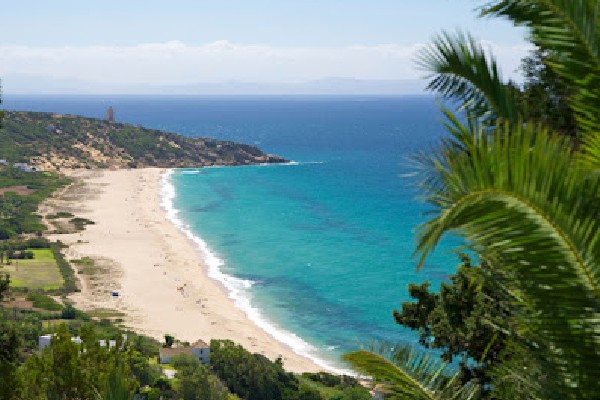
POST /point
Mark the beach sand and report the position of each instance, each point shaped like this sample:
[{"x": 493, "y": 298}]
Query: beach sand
[{"x": 157, "y": 271}]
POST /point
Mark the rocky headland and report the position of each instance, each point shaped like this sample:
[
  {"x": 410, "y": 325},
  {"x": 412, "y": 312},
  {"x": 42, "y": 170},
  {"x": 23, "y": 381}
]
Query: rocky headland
[{"x": 52, "y": 142}]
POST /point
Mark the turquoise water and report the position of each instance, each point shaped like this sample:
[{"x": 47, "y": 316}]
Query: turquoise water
[{"x": 319, "y": 250}]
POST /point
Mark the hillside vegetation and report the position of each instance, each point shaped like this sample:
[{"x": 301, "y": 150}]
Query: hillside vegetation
[{"x": 52, "y": 141}]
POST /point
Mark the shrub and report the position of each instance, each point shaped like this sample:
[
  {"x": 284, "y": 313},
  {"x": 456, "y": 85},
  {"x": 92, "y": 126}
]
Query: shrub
[
  {"x": 38, "y": 243},
  {"x": 185, "y": 361},
  {"x": 60, "y": 214},
  {"x": 69, "y": 312},
  {"x": 80, "y": 223},
  {"x": 45, "y": 302}
]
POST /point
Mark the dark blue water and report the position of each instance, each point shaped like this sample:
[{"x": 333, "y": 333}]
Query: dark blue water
[{"x": 320, "y": 249}]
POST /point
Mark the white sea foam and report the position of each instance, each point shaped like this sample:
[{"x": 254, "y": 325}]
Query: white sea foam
[
  {"x": 303, "y": 162},
  {"x": 237, "y": 289},
  {"x": 286, "y": 164}
]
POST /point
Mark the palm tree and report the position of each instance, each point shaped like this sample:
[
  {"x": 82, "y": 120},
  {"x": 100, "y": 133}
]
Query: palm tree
[{"x": 527, "y": 204}]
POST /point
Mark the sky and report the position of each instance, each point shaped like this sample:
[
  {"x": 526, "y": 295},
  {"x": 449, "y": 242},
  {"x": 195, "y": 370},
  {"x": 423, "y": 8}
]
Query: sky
[{"x": 205, "y": 46}]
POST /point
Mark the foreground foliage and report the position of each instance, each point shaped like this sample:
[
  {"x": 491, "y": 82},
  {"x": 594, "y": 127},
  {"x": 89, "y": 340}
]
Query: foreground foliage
[
  {"x": 67, "y": 370},
  {"x": 510, "y": 182},
  {"x": 461, "y": 320},
  {"x": 255, "y": 377},
  {"x": 526, "y": 206},
  {"x": 70, "y": 371},
  {"x": 403, "y": 373}
]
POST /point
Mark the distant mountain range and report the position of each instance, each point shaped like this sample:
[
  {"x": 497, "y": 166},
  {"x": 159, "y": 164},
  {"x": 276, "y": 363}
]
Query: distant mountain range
[{"x": 25, "y": 84}]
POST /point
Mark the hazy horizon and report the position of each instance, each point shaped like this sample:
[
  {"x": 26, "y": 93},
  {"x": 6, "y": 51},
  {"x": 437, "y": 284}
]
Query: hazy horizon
[
  {"x": 234, "y": 47},
  {"x": 326, "y": 86}
]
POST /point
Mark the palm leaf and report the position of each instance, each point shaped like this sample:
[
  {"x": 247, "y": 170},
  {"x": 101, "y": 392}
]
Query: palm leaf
[
  {"x": 568, "y": 28},
  {"x": 517, "y": 196},
  {"x": 404, "y": 373},
  {"x": 590, "y": 157},
  {"x": 462, "y": 69}
]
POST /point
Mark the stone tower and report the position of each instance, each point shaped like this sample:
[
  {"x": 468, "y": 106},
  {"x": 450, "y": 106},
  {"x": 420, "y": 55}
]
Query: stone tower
[{"x": 110, "y": 114}]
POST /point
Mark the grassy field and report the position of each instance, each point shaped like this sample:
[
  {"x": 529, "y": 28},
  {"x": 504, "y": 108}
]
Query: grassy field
[
  {"x": 44, "y": 302},
  {"x": 40, "y": 273},
  {"x": 105, "y": 313},
  {"x": 55, "y": 323}
]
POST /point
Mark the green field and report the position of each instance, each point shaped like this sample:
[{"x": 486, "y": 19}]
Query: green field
[
  {"x": 55, "y": 323},
  {"x": 40, "y": 273}
]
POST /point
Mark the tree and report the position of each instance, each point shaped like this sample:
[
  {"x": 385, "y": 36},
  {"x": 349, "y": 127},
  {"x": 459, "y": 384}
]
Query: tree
[
  {"x": 185, "y": 362},
  {"x": 10, "y": 350},
  {"x": 198, "y": 383},
  {"x": 523, "y": 199},
  {"x": 461, "y": 319},
  {"x": 4, "y": 284},
  {"x": 57, "y": 373},
  {"x": 68, "y": 312},
  {"x": 117, "y": 386},
  {"x": 146, "y": 346},
  {"x": 253, "y": 376},
  {"x": 68, "y": 370},
  {"x": 306, "y": 392},
  {"x": 544, "y": 97},
  {"x": 145, "y": 373},
  {"x": 354, "y": 393}
]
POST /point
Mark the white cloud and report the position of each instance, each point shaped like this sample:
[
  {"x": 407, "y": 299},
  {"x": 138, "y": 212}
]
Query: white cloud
[{"x": 177, "y": 63}]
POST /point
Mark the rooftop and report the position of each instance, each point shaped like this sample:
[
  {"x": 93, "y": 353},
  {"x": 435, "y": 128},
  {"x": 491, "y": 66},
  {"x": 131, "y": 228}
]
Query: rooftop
[
  {"x": 174, "y": 351},
  {"x": 200, "y": 344}
]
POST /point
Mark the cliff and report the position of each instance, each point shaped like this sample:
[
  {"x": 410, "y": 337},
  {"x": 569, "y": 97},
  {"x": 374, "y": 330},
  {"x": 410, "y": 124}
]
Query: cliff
[{"x": 52, "y": 141}]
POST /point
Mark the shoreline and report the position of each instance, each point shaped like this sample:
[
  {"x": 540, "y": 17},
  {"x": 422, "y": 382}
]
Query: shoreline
[
  {"x": 155, "y": 264},
  {"x": 236, "y": 288}
]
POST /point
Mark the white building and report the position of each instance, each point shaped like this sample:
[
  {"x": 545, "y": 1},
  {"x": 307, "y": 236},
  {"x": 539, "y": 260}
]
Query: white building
[
  {"x": 44, "y": 341},
  {"x": 199, "y": 349},
  {"x": 24, "y": 167}
]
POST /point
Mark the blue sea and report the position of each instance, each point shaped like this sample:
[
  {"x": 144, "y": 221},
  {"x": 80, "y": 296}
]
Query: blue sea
[{"x": 317, "y": 251}]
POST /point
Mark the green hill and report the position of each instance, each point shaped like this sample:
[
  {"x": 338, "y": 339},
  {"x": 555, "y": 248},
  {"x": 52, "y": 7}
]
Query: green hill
[{"x": 52, "y": 141}]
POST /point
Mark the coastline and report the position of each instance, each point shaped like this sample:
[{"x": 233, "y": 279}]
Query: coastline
[{"x": 156, "y": 265}]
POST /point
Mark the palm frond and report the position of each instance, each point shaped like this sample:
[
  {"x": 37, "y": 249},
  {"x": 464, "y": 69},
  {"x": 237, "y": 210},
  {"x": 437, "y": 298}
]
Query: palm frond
[
  {"x": 568, "y": 28},
  {"x": 404, "y": 373},
  {"x": 518, "y": 197},
  {"x": 461, "y": 69},
  {"x": 590, "y": 158}
]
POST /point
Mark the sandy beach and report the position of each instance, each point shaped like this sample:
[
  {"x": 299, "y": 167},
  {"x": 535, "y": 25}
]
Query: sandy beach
[{"x": 157, "y": 271}]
